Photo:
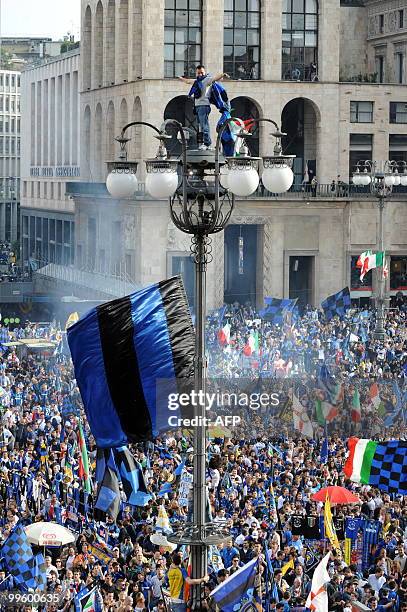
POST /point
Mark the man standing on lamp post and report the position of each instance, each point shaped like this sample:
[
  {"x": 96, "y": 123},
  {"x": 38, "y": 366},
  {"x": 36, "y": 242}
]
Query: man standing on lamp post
[{"x": 201, "y": 92}]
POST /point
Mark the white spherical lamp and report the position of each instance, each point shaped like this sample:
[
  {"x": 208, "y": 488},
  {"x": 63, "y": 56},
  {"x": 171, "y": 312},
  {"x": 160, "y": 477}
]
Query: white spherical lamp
[
  {"x": 397, "y": 179},
  {"x": 243, "y": 181},
  {"x": 389, "y": 180},
  {"x": 161, "y": 185},
  {"x": 277, "y": 179},
  {"x": 403, "y": 180},
  {"x": 356, "y": 179},
  {"x": 224, "y": 177},
  {"x": 121, "y": 184},
  {"x": 365, "y": 179}
]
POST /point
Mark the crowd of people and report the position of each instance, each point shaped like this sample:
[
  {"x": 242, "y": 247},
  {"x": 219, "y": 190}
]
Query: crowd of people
[
  {"x": 10, "y": 271},
  {"x": 260, "y": 476}
]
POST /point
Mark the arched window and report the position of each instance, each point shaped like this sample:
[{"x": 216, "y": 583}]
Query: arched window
[
  {"x": 181, "y": 108},
  {"x": 241, "y": 45},
  {"x": 110, "y": 133},
  {"x": 97, "y": 152},
  {"x": 87, "y": 48},
  {"x": 110, "y": 76},
  {"x": 246, "y": 109},
  {"x": 98, "y": 51},
  {"x": 300, "y": 40},
  {"x": 124, "y": 41},
  {"x": 87, "y": 141},
  {"x": 136, "y": 133},
  {"x": 182, "y": 37}
]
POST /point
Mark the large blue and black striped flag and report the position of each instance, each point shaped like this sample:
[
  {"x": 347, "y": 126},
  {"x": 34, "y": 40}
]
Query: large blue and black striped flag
[
  {"x": 128, "y": 354},
  {"x": 237, "y": 592},
  {"x": 277, "y": 310},
  {"x": 27, "y": 570},
  {"x": 337, "y": 304}
]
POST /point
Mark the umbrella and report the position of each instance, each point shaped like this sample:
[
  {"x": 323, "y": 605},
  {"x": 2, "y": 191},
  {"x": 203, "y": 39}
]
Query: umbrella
[
  {"x": 49, "y": 534},
  {"x": 336, "y": 495}
]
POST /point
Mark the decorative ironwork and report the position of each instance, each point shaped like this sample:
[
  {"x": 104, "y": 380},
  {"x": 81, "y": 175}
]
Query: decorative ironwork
[{"x": 211, "y": 534}]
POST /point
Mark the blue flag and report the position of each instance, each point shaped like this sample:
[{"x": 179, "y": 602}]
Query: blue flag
[
  {"x": 276, "y": 310},
  {"x": 129, "y": 354},
  {"x": 89, "y": 600},
  {"x": 324, "y": 451},
  {"x": 337, "y": 304},
  {"x": 238, "y": 590},
  {"x": 27, "y": 570},
  {"x": 398, "y": 408}
]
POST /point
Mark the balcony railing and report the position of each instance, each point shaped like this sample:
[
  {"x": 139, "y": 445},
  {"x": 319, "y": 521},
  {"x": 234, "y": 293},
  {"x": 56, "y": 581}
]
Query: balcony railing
[
  {"x": 322, "y": 191},
  {"x": 115, "y": 286}
]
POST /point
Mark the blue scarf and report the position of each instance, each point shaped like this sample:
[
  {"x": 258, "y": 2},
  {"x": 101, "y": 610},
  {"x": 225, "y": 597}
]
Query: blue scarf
[
  {"x": 218, "y": 96},
  {"x": 196, "y": 89}
]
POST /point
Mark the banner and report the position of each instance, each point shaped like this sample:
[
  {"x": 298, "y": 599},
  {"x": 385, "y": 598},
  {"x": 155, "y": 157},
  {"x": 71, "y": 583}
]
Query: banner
[
  {"x": 348, "y": 551},
  {"x": 184, "y": 487}
]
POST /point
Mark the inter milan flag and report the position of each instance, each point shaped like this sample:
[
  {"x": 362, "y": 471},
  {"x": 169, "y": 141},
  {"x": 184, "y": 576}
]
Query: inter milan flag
[
  {"x": 121, "y": 351},
  {"x": 237, "y": 591},
  {"x": 88, "y": 600},
  {"x": 379, "y": 464},
  {"x": 276, "y": 309},
  {"x": 112, "y": 467},
  {"x": 27, "y": 570},
  {"x": 337, "y": 304}
]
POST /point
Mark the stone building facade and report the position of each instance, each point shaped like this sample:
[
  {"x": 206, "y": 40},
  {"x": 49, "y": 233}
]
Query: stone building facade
[
  {"x": 288, "y": 60},
  {"x": 10, "y": 117},
  {"x": 50, "y": 158}
]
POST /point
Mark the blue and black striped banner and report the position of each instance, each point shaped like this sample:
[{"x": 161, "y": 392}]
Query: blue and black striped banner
[{"x": 121, "y": 352}]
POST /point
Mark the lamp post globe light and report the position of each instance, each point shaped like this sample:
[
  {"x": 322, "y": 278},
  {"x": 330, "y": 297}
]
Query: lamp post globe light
[
  {"x": 201, "y": 187},
  {"x": 380, "y": 177}
]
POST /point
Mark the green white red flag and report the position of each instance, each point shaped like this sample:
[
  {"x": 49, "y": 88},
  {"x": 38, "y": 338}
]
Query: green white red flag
[
  {"x": 356, "y": 410},
  {"x": 368, "y": 261}
]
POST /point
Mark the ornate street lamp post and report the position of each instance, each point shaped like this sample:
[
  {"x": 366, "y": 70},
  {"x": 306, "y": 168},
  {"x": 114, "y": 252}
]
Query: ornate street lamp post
[
  {"x": 201, "y": 186},
  {"x": 380, "y": 177}
]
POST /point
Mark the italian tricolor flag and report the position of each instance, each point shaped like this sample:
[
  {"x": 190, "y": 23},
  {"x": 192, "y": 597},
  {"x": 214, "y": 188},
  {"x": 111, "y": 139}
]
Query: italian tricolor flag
[
  {"x": 356, "y": 411},
  {"x": 252, "y": 344},
  {"x": 358, "y": 464},
  {"x": 224, "y": 334},
  {"x": 368, "y": 261}
]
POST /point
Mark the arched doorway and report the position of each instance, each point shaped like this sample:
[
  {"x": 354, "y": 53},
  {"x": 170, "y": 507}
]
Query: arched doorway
[
  {"x": 299, "y": 120},
  {"x": 246, "y": 109},
  {"x": 181, "y": 108}
]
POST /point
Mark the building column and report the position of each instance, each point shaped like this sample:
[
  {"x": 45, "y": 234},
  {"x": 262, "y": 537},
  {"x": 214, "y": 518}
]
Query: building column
[
  {"x": 328, "y": 40},
  {"x": 212, "y": 35},
  {"x": 267, "y": 245},
  {"x": 271, "y": 29},
  {"x": 216, "y": 269},
  {"x": 152, "y": 42},
  {"x": 381, "y": 145}
]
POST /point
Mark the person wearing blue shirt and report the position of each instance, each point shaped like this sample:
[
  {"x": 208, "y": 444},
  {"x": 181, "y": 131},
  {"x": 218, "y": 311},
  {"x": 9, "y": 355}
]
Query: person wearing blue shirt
[{"x": 228, "y": 553}]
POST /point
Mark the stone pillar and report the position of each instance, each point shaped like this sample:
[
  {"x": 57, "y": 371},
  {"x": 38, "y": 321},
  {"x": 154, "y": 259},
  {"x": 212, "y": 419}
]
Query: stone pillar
[
  {"x": 271, "y": 28},
  {"x": 153, "y": 39},
  {"x": 212, "y": 35},
  {"x": 380, "y": 145},
  {"x": 216, "y": 269},
  {"x": 267, "y": 244},
  {"x": 274, "y": 245},
  {"x": 328, "y": 40},
  {"x": 327, "y": 143},
  {"x": 135, "y": 39}
]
